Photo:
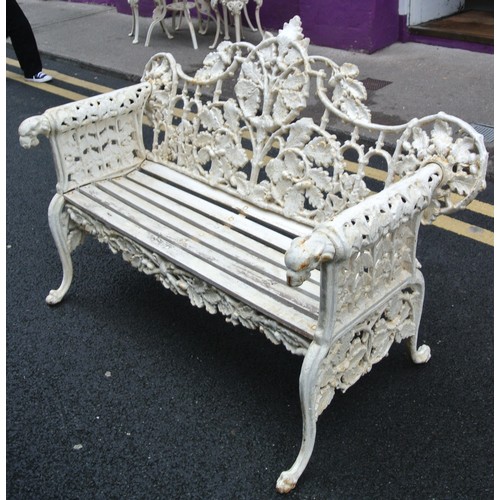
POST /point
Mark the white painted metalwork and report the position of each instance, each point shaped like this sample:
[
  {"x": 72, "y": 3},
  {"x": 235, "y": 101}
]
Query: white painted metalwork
[
  {"x": 178, "y": 10},
  {"x": 206, "y": 10},
  {"x": 248, "y": 206},
  {"x": 235, "y": 8}
]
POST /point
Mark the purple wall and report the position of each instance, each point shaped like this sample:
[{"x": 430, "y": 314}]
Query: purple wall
[
  {"x": 361, "y": 25},
  {"x": 367, "y": 27},
  {"x": 145, "y": 6},
  {"x": 274, "y": 13}
]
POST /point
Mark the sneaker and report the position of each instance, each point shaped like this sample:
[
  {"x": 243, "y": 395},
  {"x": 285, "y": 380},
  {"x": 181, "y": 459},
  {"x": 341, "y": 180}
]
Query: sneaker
[{"x": 40, "y": 77}]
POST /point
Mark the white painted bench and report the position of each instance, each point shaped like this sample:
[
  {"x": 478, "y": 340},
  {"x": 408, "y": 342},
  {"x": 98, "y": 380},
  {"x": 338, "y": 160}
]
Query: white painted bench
[{"x": 242, "y": 197}]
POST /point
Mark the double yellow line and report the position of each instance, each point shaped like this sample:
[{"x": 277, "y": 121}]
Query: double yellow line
[{"x": 444, "y": 222}]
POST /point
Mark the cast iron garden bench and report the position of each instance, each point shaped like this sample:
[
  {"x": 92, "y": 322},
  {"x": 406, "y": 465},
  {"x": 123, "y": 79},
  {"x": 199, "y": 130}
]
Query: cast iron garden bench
[{"x": 253, "y": 210}]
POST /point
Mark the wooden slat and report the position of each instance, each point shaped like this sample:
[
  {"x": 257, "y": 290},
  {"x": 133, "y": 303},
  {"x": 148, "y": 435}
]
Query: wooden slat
[
  {"x": 189, "y": 254},
  {"x": 210, "y": 236},
  {"x": 251, "y": 251},
  {"x": 237, "y": 221},
  {"x": 204, "y": 245},
  {"x": 273, "y": 219}
]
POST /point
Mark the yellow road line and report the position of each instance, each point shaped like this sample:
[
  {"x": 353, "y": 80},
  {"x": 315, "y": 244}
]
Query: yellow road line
[
  {"x": 69, "y": 79},
  {"x": 463, "y": 229},
  {"x": 444, "y": 222},
  {"x": 68, "y": 94},
  {"x": 477, "y": 206}
]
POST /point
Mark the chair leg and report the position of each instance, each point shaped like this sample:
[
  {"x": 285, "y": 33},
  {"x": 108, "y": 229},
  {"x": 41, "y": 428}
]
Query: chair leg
[
  {"x": 308, "y": 381},
  {"x": 237, "y": 26},
  {"x": 134, "y": 5},
  {"x": 191, "y": 28},
  {"x": 250, "y": 25},
  {"x": 177, "y": 26},
  {"x": 159, "y": 14},
  {"x": 202, "y": 30},
  {"x": 226, "y": 22},
  {"x": 59, "y": 227},
  {"x": 257, "y": 19},
  {"x": 217, "y": 32}
]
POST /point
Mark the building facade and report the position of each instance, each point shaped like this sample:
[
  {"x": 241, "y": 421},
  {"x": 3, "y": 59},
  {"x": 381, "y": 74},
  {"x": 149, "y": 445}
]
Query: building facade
[{"x": 360, "y": 25}]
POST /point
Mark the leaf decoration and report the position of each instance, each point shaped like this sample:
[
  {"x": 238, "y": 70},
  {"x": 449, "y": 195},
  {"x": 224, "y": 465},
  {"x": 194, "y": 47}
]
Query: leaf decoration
[
  {"x": 321, "y": 152},
  {"x": 215, "y": 63},
  {"x": 294, "y": 201},
  {"x": 321, "y": 179},
  {"x": 249, "y": 96},
  {"x": 462, "y": 151},
  {"x": 348, "y": 93},
  {"x": 315, "y": 197},
  {"x": 211, "y": 118},
  {"x": 462, "y": 183},
  {"x": 294, "y": 165},
  {"x": 442, "y": 137},
  {"x": 232, "y": 115},
  {"x": 274, "y": 169},
  {"x": 299, "y": 133}
]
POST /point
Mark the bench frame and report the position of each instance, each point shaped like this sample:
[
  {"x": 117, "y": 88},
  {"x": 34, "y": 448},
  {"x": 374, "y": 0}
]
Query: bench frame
[{"x": 363, "y": 244}]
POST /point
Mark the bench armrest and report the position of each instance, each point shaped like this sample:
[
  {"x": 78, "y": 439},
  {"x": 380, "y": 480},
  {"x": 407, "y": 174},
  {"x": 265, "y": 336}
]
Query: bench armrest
[
  {"x": 363, "y": 225},
  {"x": 92, "y": 138}
]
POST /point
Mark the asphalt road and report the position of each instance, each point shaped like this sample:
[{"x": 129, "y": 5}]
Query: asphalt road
[{"x": 126, "y": 391}]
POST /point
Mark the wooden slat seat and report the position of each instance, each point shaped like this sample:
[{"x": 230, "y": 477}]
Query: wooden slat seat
[{"x": 211, "y": 239}]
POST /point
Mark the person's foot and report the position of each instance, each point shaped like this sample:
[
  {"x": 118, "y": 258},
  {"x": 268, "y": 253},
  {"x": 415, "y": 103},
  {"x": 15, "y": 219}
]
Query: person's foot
[{"x": 40, "y": 77}]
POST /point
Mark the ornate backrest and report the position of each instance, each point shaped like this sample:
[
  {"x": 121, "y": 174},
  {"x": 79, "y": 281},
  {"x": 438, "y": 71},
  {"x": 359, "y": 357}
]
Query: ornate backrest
[{"x": 252, "y": 136}]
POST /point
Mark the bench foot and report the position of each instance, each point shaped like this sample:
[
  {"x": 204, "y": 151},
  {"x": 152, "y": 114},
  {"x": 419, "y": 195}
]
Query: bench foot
[
  {"x": 418, "y": 355},
  {"x": 286, "y": 482},
  {"x": 55, "y": 296}
]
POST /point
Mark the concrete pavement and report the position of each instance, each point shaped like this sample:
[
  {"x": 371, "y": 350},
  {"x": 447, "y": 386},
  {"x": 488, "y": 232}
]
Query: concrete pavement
[{"x": 423, "y": 79}]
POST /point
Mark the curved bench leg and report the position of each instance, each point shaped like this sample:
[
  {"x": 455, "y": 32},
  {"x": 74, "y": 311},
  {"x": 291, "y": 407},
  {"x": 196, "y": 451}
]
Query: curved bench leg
[
  {"x": 58, "y": 223},
  {"x": 307, "y": 385},
  {"x": 420, "y": 354}
]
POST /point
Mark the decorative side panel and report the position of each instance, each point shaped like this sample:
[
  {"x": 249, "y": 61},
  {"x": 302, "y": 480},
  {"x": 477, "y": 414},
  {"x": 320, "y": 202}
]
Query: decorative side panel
[
  {"x": 375, "y": 238},
  {"x": 368, "y": 274},
  {"x": 98, "y": 136},
  {"x": 354, "y": 354}
]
